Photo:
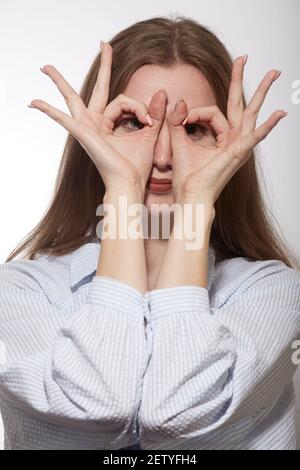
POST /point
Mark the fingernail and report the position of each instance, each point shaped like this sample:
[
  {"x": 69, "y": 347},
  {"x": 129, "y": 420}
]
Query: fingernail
[
  {"x": 285, "y": 113},
  {"x": 245, "y": 58},
  {"x": 42, "y": 69},
  {"x": 101, "y": 45},
  {"x": 149, "y": 119},
  {"x": 184, "y": 122},
  {"x": 178, "y": 103},
  {"x": 277, "y": 74},
  {"x": 30, "y": 106}
]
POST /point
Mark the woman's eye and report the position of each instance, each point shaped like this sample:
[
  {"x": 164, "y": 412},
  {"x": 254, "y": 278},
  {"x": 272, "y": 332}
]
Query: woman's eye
[
  {"x": 196, "y": 130},
  {"x": 131, "y": 123}
]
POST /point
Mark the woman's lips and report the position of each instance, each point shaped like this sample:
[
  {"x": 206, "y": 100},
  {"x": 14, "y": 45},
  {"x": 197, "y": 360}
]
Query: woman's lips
[{"x": 156, "y": 185}]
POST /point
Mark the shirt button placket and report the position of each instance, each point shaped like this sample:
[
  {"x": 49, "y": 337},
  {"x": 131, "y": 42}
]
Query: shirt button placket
[{"x": 148, "y": 330}]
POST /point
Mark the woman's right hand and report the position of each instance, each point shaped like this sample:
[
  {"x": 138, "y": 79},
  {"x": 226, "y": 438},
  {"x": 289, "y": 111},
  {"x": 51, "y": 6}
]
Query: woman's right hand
[{"x": 122, "y": 160}]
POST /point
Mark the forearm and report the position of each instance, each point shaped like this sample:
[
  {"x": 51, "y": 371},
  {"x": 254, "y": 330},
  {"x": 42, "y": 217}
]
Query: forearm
[
  {"x": 182, "y": 266},
  {"x": 124, "y": 258}
]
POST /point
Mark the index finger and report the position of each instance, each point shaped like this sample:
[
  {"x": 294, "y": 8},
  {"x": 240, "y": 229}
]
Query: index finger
[
  {"x": 212, "y": 114},
  {"x": 235, "y": 105},
  {"x": 100, "y": 92}
]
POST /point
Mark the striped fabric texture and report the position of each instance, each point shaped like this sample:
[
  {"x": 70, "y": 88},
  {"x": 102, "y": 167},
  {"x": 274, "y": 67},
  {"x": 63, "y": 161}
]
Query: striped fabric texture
[{"x": 88, "y": 362}]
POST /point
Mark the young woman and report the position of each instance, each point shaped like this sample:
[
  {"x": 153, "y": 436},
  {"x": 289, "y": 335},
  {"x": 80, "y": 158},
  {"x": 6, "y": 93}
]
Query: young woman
[{"x": 139, "y": 341}]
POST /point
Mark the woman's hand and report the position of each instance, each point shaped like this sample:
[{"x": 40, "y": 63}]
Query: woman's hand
[
  {"x": 123, "y": 160},
  {"x": 205, "y": 161}
]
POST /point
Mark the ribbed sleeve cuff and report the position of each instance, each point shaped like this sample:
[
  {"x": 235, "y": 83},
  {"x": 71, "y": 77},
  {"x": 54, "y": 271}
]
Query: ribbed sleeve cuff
[
  {"x": 117, "y": 295},
  {"x": 178, "y": 299}
]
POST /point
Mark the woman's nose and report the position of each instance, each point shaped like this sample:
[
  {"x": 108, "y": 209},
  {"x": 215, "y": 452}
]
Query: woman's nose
[{"x": 163, "y": 151}]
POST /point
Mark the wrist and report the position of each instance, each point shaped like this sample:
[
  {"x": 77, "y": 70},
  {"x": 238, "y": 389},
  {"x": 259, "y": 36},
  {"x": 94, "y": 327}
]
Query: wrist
[
  {"x": 194, "y": 199},
  {"x": 133, "y": 191}
]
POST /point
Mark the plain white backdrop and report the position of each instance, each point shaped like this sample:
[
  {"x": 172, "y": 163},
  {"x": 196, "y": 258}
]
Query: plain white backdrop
[{"x": 67, "y": 33}]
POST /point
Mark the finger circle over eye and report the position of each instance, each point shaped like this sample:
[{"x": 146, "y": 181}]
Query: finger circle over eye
[
  {"x": 211, "y": 114},
  {"x": 123, "y": 103}
]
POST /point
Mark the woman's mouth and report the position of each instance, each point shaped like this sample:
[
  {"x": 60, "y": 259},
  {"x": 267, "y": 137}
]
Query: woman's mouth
[{"x": 159, "y": 185}]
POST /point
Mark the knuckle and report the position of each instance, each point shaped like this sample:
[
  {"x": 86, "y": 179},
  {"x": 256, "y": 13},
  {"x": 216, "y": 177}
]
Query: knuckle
[
  {"x": 59, "y": 120},
  {"x": 70, "y": 97}
]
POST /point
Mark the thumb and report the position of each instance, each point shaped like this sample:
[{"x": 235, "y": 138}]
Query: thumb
[
  {"x": 175, "y": 120},
  {"x": 157, "y": 110}
]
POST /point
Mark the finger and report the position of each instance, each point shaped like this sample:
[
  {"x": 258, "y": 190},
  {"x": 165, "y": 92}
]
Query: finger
[
  {"x": 264, "y": 129},
  {"x": 72, "y": 99},
  {"x": 211, "y": 114},
  {"x": 90, "y": 141},
  {"x": 235, "y": 104},
  {"x": 125, "y": 103},
  {"x": 62, "y": 118},
  {"x": 157, "y": 111},
  {"x": 226, "y": 164},
  {"x": 100, "y": 93},
  {"x": 175, "y": 120},
  {"x": 252, "y": 110}
]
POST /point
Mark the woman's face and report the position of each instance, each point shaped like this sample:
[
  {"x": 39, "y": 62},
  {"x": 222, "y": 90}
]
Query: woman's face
[{"x": 180, "y": 81}]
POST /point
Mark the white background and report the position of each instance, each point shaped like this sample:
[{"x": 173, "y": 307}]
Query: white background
[{"x": 66, "y": 33}]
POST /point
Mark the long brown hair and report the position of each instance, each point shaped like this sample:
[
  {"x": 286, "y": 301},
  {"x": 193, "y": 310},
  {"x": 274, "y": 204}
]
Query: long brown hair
[{"x": 241, "y": 226}]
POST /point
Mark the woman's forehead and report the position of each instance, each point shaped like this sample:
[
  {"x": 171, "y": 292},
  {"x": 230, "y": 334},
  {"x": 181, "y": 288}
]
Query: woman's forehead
[{"x": 178, "y": 81}]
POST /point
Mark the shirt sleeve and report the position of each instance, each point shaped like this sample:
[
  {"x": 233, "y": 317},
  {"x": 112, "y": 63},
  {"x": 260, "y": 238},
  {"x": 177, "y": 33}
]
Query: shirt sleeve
[
  {"x": 81, "y": 367},
  {"x": 215, "y": 366}
]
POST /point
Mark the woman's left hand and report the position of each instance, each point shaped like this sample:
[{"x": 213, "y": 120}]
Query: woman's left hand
[{"x": 203, "y": 165}]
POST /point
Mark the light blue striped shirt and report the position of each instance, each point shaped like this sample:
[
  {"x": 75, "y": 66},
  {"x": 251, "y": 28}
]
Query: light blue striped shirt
[{"x": 88, "y": 362}]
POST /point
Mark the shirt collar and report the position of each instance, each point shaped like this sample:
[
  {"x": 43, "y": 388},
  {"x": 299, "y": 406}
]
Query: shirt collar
[{"x": 84, "y": 262}]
